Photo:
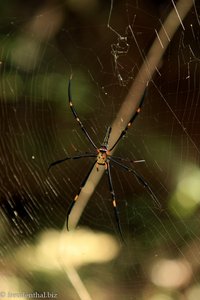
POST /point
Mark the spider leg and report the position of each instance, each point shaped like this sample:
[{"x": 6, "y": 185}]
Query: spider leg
[
  {"x": 82, "y": 155},
  {"x": 128, "y": 160},
  {"x": 138, "y": 110},
  {"x": 139, "y": 177},
  {"x": 76, "y": 116},
  {"x": 114, "y": 203},
  {"x": 105, "y": 142},
  {"x": 77, "y": 195}
]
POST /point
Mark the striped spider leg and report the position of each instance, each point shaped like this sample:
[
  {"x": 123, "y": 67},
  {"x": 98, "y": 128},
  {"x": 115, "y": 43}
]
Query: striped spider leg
[
  {"x": 123, "y": 133},
  {"x": 76, "y": 116}
]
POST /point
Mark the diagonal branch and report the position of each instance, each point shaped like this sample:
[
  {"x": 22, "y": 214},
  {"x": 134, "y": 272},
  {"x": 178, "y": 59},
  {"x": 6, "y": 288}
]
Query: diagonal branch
[{"x": 145, "y": 74}]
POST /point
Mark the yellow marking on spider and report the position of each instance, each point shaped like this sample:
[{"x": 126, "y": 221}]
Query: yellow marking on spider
[
  {"x": 78, "y": 119},
  {"x": 76, "y": 197},
  {"x": 114, "y": 203},
  {"x": 138, "y": 110},
  {"x": 129, "y": 124},
  {"x": 70, "y": 103}
]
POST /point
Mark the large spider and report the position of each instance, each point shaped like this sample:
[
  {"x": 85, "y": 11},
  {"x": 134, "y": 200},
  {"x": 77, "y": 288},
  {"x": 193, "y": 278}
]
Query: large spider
[{"x": 104, "y": 158}]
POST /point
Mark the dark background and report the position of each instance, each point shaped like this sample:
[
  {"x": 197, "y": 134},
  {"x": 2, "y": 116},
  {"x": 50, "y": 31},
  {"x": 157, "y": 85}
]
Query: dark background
[{"x": 41, "y": 44}]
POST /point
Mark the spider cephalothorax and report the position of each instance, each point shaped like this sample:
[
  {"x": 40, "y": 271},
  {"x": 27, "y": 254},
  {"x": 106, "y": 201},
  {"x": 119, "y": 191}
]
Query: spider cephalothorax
[{"x": 104, "y": 158}]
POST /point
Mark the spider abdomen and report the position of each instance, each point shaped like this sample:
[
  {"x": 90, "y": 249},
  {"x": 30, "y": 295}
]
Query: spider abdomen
[{"x": 101, "y": 158}]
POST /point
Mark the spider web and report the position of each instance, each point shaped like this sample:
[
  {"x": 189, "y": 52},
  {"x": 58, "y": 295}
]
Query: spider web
[{"x": 103, "y": 44}]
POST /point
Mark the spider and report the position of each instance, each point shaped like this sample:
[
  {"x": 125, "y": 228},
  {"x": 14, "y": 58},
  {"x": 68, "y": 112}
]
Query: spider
[{"x": 104, "y": 158}]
